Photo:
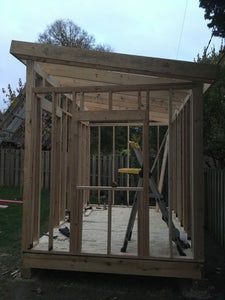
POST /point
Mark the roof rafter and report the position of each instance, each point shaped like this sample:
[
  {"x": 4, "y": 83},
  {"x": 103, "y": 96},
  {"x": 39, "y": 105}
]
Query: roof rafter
[{"x": 114, "y": 61}]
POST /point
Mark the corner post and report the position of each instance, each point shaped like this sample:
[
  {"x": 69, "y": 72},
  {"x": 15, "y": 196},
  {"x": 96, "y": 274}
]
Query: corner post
[
  {"x": 197, "y": 188},
  {"x": 27, "y": 234}
]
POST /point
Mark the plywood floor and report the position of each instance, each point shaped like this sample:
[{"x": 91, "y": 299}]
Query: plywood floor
[{"x": 94, "y": 234}]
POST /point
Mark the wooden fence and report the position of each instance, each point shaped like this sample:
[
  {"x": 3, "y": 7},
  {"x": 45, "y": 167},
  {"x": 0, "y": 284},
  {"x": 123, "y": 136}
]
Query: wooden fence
[
  {"x": 11, "y": 168},
  {"x": 215, "y": 204},
  {"x": 11, "y": 174}
]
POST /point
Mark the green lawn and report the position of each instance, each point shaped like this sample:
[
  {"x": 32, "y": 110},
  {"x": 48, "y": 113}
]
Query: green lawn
[
  {"x": 10, "y": 222},
  {"x": 10, "y": 230},
  {"x": 11, "y": 219}
]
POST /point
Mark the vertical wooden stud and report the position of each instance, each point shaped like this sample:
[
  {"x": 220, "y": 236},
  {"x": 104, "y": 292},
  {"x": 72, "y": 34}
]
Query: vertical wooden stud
[
  {"x": 197, "y": 191},
  {"x": 143, "y": 204},
  {"x": 170, "y": 170},
  {"x": 76, "y": 203},
  {"x": 99, "y": 163},
  {"x": 109, "y": 230},
  {"x": 53, "y": 173},
  {"x": 64, "y": 159},
  {"x": 37, "y": 166},
  {"x": 113, "y": 162},
  {"x": 128, "y": 163},
  {"x": 28, "y": 161}
]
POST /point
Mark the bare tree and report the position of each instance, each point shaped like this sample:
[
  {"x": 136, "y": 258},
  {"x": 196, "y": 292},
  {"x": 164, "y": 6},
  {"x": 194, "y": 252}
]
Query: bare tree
[{"x": 66, "y": 33}]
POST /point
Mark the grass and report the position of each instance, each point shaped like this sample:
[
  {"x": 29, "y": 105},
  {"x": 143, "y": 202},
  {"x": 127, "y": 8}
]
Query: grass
[
  {"x": 10, "y": 222},
  {"x": 10, "y": 230},
  {"x": 11, "y": 219}
]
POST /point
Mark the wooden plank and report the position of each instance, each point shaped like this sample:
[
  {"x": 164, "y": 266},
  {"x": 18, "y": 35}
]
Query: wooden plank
[
  {"x": 113, "y": 61},
  {"x": 117, "y": 265},
  {"x": 6, "y": 176},
  {"x": 182, "y": 166},
  {"x": 170, "y": 172},
  {"x": 2, "y": 166},
  {"x": 175, "y": 165},
  {"x": 155, "y": 116},
  {"x": 159, "y": 149},
  {"x": 69, "y": 162},
  {"x": 99, "y": 162},
  {"x": 72, "y": 82},
  {"x": 109, "y": 223},
  {"x": 48, "y": 172},
  {"x": 28, "y": 161},
  {"x": 17, "y": 162},
  {"x": 184, "y": 162},
  {"x": 114, "y": 115},
  {"x": 197, "y": 191},
  {"x": 88, "y": 163},
  {"x": 109, "y": 169},
  {"x": 128, "y": 163},
  {"x": 93, "y": 178},
  {"x": 80, "y": 153},
  {"x": 22, "y": 171},
  {"x": 82, "y": 102},
  {"x": 158, "y": 160},
  {"x": 116, "y": 88},
  {"x": 53, "y": 182},
  {"x": 102, "y": 76},
  {"x": 178, "y": 179},
  {"x": 109, "y": 188},
  {"x": 188, "y": 174},
  {"x": 76, "y": 201},
  {"x": 58, "y": 169},
  {"x": 163, "y": 166},
  {"x": 104, "y": 170},
  {"x": 113, "y": 161},
  {"x": 6, "y": 170},
  {"x": 11, "y": 167},
  {"x": 130, "y": 100},
  {"x": 83, "y": 149},
  {"x": 135, "y": 124},
  {"x": 64, "y": 160},
  {"x": 143, "y": 204},
  {"x": 37, "y": 164}
]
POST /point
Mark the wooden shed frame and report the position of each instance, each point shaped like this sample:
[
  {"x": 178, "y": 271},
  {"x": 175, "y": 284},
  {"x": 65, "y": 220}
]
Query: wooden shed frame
[{"x": 109, "y": 88}]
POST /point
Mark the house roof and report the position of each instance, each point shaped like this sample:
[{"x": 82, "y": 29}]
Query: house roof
[{"x": 71, "y": 67}]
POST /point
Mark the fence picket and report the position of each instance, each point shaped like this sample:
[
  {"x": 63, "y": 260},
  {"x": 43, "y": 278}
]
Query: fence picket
[{"x": 215, "y": 204}]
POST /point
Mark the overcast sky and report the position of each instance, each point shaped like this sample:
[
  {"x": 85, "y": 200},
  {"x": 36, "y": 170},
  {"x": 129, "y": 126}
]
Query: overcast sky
[{"x": 142, "y": 27}]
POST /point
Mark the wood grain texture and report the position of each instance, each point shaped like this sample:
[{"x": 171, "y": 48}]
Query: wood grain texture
[{"x": 113, "y": 61}]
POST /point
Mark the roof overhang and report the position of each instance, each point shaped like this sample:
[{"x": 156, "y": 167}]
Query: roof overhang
[{"x": 72, "y": 67}]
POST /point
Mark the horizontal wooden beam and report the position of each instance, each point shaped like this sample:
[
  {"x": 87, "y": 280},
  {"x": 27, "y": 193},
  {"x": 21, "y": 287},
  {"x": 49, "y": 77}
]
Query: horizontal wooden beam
[
  {"x": 94, "y": 76},
  {"x": 113, "y": 115},
  {"x": 113, "y": 88},
  {"x": 126, "y": 124},
  {"x": 108, "y": 188},
  {"x": 159, "y": 115},
  {"x": 89, "y": 105},
  {"x": 117, "y": 265},
  {"x": 114, "y": 61},
  {"x": 157, "y": 97}
]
